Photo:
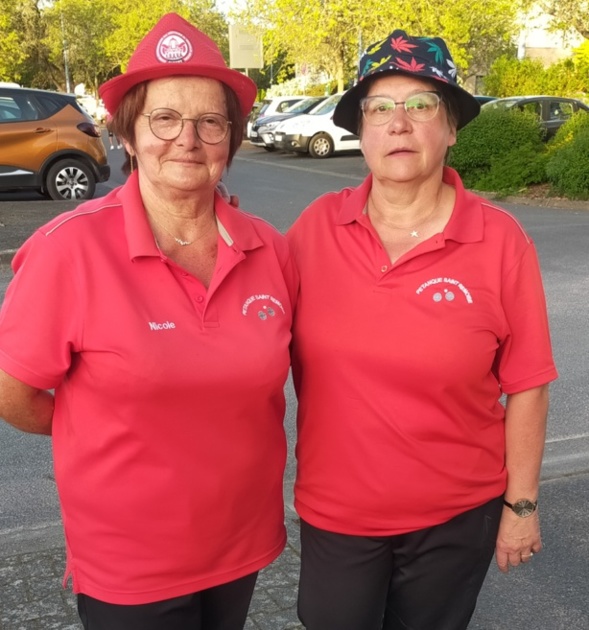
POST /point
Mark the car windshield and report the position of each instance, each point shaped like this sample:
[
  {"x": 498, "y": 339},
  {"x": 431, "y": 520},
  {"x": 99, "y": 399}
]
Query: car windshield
[
  {"x": 327, "y": 106},
  {"x": 263, "y": 108},
  {"x": 503, "y": 103},
  {"x": 302, "y": 106}
]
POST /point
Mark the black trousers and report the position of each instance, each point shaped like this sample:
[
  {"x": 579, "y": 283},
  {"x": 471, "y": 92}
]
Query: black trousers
[
  {"x": 424, "y": 580},
  {"x": 222, "y": 607}
]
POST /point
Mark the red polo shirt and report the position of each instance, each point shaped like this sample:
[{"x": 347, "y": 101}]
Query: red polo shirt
[
  {"x": 168, "y": 433},
  {"x": 399, "y": 367}
]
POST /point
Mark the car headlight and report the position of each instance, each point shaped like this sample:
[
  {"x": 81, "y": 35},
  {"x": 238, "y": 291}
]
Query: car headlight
[{"x": 268, "y": 127}]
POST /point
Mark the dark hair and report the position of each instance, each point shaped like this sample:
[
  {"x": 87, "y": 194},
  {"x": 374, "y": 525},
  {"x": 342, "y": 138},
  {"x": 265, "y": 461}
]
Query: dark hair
[
  {"x": 451, "y": 103},
  {"x": 122, "y": 124}
]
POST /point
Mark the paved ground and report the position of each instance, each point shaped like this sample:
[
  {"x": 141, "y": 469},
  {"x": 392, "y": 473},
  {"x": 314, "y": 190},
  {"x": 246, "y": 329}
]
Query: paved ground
[{"x": 31, "y": 569}]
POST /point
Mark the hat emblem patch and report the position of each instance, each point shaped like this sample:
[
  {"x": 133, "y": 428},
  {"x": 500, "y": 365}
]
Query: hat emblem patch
[{"x": 173, "y": 47}]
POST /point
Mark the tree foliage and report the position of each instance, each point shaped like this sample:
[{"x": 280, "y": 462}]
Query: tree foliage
[
  {"x": 514, "y": 77},
  {"x": 569, "y": 14},
  {"x": 96, "y": 37},
  {"x": 331, "y": 34},
  {"x": 23, "y": 54}
]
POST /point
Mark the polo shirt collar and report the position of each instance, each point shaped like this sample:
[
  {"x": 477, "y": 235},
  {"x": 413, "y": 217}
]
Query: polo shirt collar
[
  {"x": 235, "y": 227},
  {"x": 465, "y": 225}
]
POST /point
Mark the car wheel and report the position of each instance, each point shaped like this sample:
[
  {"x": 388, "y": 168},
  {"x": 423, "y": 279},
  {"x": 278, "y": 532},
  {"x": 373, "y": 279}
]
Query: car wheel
[
  {"x": 269, "y": 147},
  {"x": 70, "y": 179},
  {"x": 321, "y": 146}
]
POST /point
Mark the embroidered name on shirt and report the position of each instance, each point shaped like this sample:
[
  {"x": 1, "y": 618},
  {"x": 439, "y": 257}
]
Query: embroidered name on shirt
[
  {"x": 445, "y": 293},
  {"x": 162, "y": 326}
]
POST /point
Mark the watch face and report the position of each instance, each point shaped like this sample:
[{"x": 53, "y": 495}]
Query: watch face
[{"x": 524, "y": 507}]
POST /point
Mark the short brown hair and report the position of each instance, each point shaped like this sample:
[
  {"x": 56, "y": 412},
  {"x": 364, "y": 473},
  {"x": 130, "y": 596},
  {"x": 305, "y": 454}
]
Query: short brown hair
[{"x": 122, "y": 124}]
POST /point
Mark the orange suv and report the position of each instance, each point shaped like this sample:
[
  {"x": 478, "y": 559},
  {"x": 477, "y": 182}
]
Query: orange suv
[{"x": 50, "y": 144}]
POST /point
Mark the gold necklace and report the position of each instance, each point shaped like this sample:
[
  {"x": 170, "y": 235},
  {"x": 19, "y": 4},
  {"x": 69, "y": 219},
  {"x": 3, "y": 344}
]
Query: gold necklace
[{"x": 179, "y": 240}]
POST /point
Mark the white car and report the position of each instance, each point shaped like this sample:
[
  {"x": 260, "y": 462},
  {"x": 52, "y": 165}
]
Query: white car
[
  {"x": 315, "y": 133},
  {"x": 262, "y": 131},
  {"x": 270, "y": 106}
]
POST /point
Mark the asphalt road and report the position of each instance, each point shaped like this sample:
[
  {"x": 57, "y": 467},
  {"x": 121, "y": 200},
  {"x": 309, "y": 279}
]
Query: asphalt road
[{"x": 551, "y": 594}]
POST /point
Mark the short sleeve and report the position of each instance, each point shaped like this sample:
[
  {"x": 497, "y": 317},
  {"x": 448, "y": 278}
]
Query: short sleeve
[
  {"x": 525, "y": 357},
  {"x": 40, "y": 320}
]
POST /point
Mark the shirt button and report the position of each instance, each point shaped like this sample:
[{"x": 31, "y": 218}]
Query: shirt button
[
  {"x": 384, "y": 268},
  {"x": 199, "y": 299}
]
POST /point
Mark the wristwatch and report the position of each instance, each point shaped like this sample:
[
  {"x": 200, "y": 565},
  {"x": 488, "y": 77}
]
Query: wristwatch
[{"x": 522, "y": 507}]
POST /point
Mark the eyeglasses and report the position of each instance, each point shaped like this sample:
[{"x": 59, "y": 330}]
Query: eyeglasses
[
  {"x": 167, "y": 124},
  {"x": 379, "y": 110}
]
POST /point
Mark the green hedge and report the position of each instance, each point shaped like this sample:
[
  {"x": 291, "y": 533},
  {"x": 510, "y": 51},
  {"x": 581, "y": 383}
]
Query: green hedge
[
  {"x": 498, "y": 151},
  {"x": 502, "y": 151},
  {"x": 567, "y": 167}
]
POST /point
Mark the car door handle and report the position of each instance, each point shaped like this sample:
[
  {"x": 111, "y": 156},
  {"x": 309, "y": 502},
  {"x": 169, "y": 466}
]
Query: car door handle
[{"x": 42, "y": 130}]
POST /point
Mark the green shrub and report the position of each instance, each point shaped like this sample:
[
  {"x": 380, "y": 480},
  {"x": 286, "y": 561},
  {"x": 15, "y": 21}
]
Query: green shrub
[
  {"x": 489, "y": 138},
  {"x": 568, "y": 166},
  {"x": 515, "y": 171},
  {"x": 513, "y": 77},
  {"x": 573, "y": 126}
]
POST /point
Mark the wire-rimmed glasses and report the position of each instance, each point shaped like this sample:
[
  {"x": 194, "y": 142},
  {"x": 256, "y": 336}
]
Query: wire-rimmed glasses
[
  {"x": 421, "y": 107},
  {"x": 167, "y": 124}
]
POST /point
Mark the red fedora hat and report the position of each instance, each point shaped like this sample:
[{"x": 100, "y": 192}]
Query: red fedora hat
[{"x": 176, "y": 47}]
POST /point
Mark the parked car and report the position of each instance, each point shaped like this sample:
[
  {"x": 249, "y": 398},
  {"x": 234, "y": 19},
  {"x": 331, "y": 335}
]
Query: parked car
[
  {"x": 482, "y": 99},
  {"x": 262, "y": 131},
  {"x": 256, "y": 107},
  {"x": 553, "y": 111},
  {"x": 315, "y": 133},
  {"x": 50, "y": 144},
  {"x": 270, "y": 106}
]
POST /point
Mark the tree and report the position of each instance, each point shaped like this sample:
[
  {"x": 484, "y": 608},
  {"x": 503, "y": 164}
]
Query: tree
[
  {"x": 11, "y": 53},
  {"x": 99, "y": 36},
  {"x": 23, "y": 56},
  {"x": 330, "y": 34},
  {"x": 569, "y": 14},
  {"x": 78, "y": 29}
]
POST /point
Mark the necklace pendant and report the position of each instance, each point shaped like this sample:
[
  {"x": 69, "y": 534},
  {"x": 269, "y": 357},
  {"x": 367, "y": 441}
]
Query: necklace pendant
[
  {"x": 181, "y": 242},
  {"x": 415, "y": 234}
]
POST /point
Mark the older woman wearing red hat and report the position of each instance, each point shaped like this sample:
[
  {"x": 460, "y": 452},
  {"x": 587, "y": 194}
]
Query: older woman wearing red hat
[
  {"x": 160, "y": 316},
  {"x": 426, "y": 309}
]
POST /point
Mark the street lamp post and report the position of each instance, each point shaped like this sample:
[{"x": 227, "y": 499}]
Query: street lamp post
[{"x": 68, "y": 86}]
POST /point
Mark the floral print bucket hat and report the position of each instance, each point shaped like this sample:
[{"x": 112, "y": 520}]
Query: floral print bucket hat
[{"x": 423, "y": 57}]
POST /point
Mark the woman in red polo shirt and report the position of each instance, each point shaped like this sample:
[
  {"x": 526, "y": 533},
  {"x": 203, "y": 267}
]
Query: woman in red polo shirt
[
  {"x": 161, "y": 316},
  {"x": 420, "y": 305}
]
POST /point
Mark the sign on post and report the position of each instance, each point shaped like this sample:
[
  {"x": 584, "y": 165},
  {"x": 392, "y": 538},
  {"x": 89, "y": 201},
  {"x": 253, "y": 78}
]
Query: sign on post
[{"x": 245, "y": 48}]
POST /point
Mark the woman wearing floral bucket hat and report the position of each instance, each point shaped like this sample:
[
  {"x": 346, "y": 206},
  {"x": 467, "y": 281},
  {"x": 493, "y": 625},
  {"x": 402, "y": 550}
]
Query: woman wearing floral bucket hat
[
  {"x": 426, "y": 308},
  {"x": 162, "y": 321}
]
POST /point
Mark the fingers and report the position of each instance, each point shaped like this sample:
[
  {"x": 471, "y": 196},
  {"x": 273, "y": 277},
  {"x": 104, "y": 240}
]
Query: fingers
[{"x": 514, "y": 559}]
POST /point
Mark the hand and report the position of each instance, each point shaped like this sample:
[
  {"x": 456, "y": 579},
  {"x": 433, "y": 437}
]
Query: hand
[{"x": 518, "y": 539}]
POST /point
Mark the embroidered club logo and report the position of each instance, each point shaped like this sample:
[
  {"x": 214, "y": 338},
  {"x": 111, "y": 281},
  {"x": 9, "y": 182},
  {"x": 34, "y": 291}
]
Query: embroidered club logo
[
  {"x": 265, "y": 306},
  {"x": 173, "y": 47},
  {"x": 444, "y": 290}
]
